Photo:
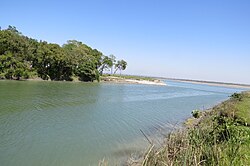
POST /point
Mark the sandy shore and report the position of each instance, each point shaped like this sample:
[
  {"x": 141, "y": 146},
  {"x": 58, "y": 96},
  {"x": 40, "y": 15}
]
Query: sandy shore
[
  {"x": 158, "y": 82},
  {"x": 133, "y": 81},
  {"x": 230, "y": 85}
]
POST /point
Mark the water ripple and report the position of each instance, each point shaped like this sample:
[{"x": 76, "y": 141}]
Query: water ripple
[{"x": 57, "y": 123}]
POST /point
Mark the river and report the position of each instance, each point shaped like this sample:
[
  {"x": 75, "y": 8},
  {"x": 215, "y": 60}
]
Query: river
[{"x": 65, "y": 123}]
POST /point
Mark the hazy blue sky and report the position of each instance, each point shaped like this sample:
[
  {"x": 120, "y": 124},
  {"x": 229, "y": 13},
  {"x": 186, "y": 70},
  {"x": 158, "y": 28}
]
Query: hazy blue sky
[{"x": 195, "y": 39}]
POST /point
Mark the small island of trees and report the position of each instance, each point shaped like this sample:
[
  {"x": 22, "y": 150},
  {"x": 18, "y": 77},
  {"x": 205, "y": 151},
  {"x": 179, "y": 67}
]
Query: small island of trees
[{"x": 22, "y": 57}]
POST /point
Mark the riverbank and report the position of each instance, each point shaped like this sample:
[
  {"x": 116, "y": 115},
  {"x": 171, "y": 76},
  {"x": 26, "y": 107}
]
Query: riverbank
[
  {"x": 211, "y": 83},
  {"x": 220, "y": 136},
  {"x": 112, "y": 79},
  {"x": 132, "y": 80}
]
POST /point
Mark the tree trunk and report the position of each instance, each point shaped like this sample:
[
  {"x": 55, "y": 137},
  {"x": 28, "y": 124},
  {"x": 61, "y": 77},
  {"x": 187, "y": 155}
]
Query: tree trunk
[{"x": 115, "y": 70}]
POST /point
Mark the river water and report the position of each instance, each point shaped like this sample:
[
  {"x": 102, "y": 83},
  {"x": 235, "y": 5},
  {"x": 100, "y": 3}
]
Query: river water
[{"x": 65, "y": 123}]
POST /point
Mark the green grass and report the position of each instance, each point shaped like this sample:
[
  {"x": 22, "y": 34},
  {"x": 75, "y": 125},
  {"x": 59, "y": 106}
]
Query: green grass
[
  {"x": 243, "y": 108},
  {"x": 219, "y": 137}
]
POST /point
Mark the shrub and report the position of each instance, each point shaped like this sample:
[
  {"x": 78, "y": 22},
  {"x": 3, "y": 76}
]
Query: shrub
[
  {"x": 196, "y": 113},
  {"x": 237, "y": 96}
]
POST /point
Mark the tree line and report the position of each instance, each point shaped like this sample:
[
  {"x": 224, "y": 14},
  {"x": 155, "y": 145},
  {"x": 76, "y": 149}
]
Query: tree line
[{"x": 22, "y": 57}]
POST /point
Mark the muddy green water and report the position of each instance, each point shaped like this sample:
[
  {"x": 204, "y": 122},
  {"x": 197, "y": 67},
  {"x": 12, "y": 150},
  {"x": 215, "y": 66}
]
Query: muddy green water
[{"x": 63, "y": 123}]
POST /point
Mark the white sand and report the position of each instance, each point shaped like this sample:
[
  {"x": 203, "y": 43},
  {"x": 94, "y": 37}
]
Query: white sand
[{"x": 145, "y": 82}]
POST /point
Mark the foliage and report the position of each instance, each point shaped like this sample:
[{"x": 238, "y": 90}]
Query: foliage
[
  {"x": 218, "y": 138},
  {"x": 22, "y": 57},
  {"x": 237, "y": 96},
  {"x": 113, "y": 60},
  {"x": 121, "y": 65},
  {"x": 106, "y": 63},
  {"x": 87, "y": 71},
  {"x": 196, "y": 113}
]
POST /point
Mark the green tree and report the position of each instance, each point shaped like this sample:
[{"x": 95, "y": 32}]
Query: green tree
[
  {"x": 85, "y": 60},
  {"x": 13, "y": 68},
  {"x": 106, "y": 63},
  {"x": 121, "y": 65},
  {"x": 14, "y": 54},
  {"x": 113, "y": 60},
  {"x": 52, "y": 63},
  {"x": 87, "y": 71},
  {"x": 21, "y": 56}
]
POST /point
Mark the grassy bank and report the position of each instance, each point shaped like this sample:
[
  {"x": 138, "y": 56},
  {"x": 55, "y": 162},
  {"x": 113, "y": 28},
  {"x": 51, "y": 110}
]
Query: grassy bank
[{"x": 220, "y": 136}]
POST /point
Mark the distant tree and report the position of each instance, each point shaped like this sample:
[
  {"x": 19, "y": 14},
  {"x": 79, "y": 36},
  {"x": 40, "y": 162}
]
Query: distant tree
[
  {"x": 52, "y": 62},
  {"x": 106, "y": 63},
  {"x": 97, "y": 57},
  {"x": 85, "y": 60},
  {"x": 87, "y": 71},
  {"x": 22, "y": 57},
  {"x": 121, "y": 65},
  {"x": 13, "y": 29},
  {"x": 14, "y": 49},
  {"x": 113, "y": 60},
  {"x": 13, "y": 68}
]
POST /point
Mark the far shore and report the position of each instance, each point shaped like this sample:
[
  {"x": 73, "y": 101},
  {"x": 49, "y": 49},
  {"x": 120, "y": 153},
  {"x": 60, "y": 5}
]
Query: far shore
[
  {"x": 108, "y": 79},
  {"x": 113, "y": 79},
  {"x": 222, "y": 84},
  {"x": 127, "y": 79}
]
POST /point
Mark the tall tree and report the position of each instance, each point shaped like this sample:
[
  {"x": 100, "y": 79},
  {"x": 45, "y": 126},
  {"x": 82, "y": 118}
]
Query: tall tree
[
  {"x": 113, "y": 60},
  {"x": 121, "y": 65},
  {"x": 13, "y": 52},
  {"x": 85, "y": 60},
  {"x": 22, "y": 57},
  {"x": 106, "y": 63}
]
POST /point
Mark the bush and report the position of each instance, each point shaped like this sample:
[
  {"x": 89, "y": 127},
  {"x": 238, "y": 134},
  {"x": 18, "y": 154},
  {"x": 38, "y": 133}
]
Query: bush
[
  {"x": 2, "y": 75},
  {"x": 18, "y": 73},
  {"x": 237, "y": 96},
  {"x": 9, "y": 74},
  {"x": 196, "y": 113},
  {"x": 25, "y": 75}
]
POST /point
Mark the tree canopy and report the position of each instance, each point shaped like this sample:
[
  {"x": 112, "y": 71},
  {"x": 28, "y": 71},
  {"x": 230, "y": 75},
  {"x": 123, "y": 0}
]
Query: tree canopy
[
  {"x": 121, "y": 65},
  {"x": 22, "y": 57}
]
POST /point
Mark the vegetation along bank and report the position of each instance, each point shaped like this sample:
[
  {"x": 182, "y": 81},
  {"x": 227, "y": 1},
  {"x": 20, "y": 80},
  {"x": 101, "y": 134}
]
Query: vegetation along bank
[
  {"x": 220, "y": 136},
  {"x": 22, "y": 57}
]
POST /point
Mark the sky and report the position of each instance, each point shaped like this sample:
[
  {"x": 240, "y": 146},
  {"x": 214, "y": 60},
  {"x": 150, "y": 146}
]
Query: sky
[{"x": 190, "y": 39}]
